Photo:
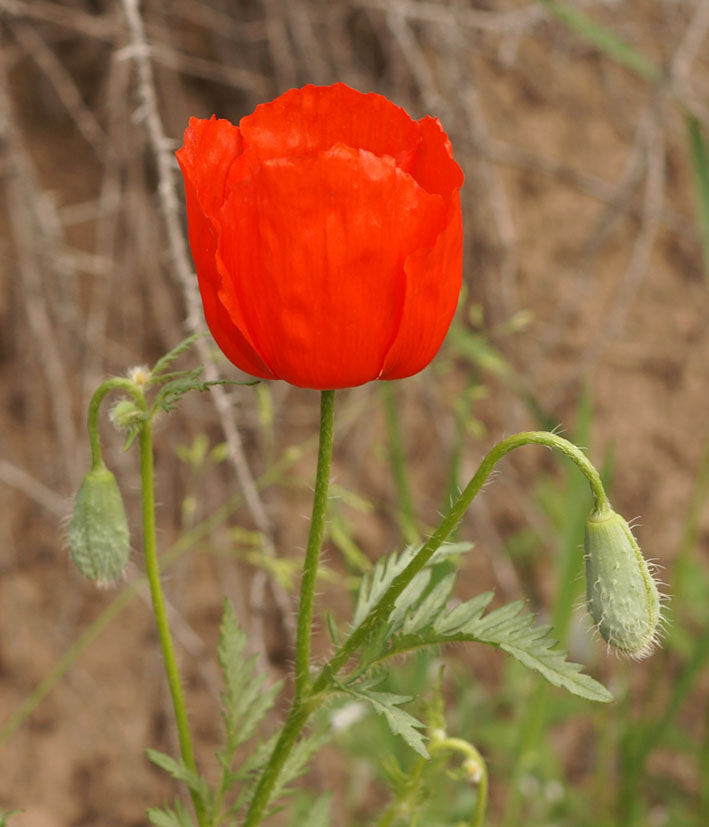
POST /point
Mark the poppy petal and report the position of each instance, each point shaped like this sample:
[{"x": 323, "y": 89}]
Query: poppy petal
[
  {"x": 434, "y": 167},
  {"x": 209, "y": 150},
  {"x": 312, "y": 253},
  {"x": 315, "y": 118},
  {"x": 433, "y": 281}
]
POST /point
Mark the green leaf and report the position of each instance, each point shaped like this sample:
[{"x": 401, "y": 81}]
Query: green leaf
[
  {"x": 171, "y": 393},
  {"x": 179, "y": 817},
  {"x": 4, "y": 816},
  {"x": 248, "y": 770},
  {"x": 514, "y": 633},
  {"x": 245, "y": 702},
  {"x": 461, "y": 614},
  {"x": 375, "y": 583},
  {"x": 297, "y": 762},
  {"x": 605, "y": 40},
  {"x": 400, "y": 722},
  {"x": 177, "y": 768},
  {"x": 170, "y": 357},
  {"x": 314, "y": 813},
  {"x": 700, "y": 172},
  {"x": 409, "y": 597},
  {"x": 430, "y": 607}
]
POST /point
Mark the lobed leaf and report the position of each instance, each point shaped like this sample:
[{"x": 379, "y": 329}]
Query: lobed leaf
[
  {"x": 170, "y": 357},
  {"x": 400, "y": 722},
  {"x": 297, "y": 762},
  {"x": 245, "y": 702},
  {"x": 177, "y": 768},
  {"x": 507, "y": 629},
  {"x": 315, "y": 813},
  {"x": 463, "y": 613},
  {"x": 418, "y": 617},
  {"x": 179, "y": 817},
  {"x": 375, "y": 583}
]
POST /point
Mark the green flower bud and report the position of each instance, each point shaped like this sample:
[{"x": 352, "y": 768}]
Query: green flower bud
[
  {"x": 125, "y": 414},
  {"x": 621, "y": 593},
  {"x": 98, "y": 529}
]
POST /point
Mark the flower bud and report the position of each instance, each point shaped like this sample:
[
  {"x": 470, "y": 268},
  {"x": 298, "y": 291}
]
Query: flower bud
[
  {"x": 621, "y": 593},
  {"x": 126, "y": 415},
  {"x": 98, "y": 529}
]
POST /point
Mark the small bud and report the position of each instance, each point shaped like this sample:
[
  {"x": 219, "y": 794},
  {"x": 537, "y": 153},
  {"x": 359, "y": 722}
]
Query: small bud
[
  {"x": 98, "y": 529},
  {"x": 139, "y": 374},
  {"x": 473, "y": 769},
  {"x": 126, "y": 415},
  {"x": 621, "y": 593}
]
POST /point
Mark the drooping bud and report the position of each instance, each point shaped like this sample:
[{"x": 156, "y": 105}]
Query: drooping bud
[
  {"x": 621, "y": 593},
  {"x": 98, "y": 530}
]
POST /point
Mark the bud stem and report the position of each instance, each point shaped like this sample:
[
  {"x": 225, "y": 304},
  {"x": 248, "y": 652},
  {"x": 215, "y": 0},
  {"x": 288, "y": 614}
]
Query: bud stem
[
  {"x": 117, "y": 382},
  {"x": 152, "y": 572}
]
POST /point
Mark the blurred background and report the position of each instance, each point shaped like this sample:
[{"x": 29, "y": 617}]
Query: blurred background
[{"x": 581, "y": 129}]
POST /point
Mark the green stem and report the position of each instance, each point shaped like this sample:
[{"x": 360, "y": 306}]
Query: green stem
[
  {"x": 297, "y": 718},
  {"x": 401, "y": 806},
  {"x": 117, "y": 382},
  {"x": 469, "y": 751},
  {"x": 316, "y": 694},
  {"x": 312, "y": 552},
  {"x": 152, "y": 572}
]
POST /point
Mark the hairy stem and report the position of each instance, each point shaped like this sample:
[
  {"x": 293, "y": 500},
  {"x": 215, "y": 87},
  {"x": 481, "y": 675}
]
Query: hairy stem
[
  {"x": 117, "y": 383},
  {"x": 152, "y": 572},
  {"x": 312, "y": 552}
]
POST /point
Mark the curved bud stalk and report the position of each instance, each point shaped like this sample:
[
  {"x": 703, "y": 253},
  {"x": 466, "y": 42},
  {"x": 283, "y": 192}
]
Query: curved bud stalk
[
  {"x": 98, "y": 530},
  {"x": 621, "y": 593}
]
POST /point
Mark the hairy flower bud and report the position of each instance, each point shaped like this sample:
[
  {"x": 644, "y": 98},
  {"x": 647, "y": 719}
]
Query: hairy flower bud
[
  {"x": 621, "y": 593},
  {"x": 125, "y": 415},
  {"x": 98, "y": 529}
]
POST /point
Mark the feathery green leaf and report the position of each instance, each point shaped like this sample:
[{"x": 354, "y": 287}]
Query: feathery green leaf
[
  {"x": 170, "y": 357},
  {"x": 376, "y": 582},
  {"x": 179, "y": 817},
  {"x": 387, "y": 704}
]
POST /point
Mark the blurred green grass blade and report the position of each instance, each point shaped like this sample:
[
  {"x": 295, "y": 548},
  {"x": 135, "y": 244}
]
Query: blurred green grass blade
[
  {"x": 700, "y": 173},
  {"x": 604, "y": 40},
  {"x": 406, "y": 514}
]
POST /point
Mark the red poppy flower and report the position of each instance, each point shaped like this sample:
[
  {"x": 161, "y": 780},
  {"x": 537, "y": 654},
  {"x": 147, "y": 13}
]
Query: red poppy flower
[{"x": 326, "y": 232}]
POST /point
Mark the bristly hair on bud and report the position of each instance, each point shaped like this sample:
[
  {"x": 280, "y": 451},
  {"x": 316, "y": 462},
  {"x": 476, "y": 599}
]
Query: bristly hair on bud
[
  {"x": 98, "y": 533},
  {"x": 621, "y": 592},
  {"x": 126, "y": 415}
]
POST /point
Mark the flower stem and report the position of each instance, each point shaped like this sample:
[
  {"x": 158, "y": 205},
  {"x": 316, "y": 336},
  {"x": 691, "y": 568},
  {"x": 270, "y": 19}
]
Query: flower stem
[
  {"x": 312, "y": 552},
  {"x": 297, "y": 718},
  {"x": 152, "y": 572},
  {"x": 301, "y": 708}
]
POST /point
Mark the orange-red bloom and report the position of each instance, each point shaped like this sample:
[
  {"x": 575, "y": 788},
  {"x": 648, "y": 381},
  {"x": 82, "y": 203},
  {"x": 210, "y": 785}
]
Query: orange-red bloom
[{"x": 326, "y": 232}]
